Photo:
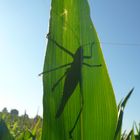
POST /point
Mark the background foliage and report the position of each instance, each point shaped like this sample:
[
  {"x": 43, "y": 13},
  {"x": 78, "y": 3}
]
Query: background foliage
[{"x": 14, "y": 127}]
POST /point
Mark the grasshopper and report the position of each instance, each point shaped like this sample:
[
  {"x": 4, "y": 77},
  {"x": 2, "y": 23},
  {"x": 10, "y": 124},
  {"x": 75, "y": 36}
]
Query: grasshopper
[{"x": 73, "y": 77}]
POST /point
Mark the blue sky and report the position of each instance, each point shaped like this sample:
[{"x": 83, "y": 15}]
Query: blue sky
[
  {"x": 118, "y": 22},
  {"x": 23, "y": 27}
]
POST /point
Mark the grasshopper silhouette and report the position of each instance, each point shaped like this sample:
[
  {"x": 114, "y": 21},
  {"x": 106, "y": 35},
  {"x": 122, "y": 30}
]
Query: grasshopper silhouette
[{"x": 73, "y": 76}]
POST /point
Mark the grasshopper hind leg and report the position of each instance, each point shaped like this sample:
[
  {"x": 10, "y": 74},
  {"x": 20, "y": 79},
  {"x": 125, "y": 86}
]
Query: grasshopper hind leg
[
  {"x": 79, "y": 114},
  {"x": 78, "y": 117}
]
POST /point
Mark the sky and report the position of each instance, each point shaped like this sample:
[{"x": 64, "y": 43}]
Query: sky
[{"x": 23, "y": 27}]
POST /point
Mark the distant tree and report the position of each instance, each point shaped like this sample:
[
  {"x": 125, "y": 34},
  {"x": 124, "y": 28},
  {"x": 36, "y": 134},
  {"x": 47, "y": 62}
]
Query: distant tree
[
  {"x": 25, "y": 116},
  {"x": 14, "y": 112},
  {"x": 4, "y": 110}
]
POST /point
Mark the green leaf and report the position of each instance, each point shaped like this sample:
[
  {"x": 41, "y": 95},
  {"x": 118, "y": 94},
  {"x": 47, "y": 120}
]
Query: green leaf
[
  {"x": 138, "y": 131},
  {"x": 126, "y": 98},
  {"x": 26, "y": 135},
  {"x": 121, "y": 108},
  {"x": 71, "y": 28},
  {"x": 119, "y": 126},
  {"x": 4, "y": 132},
  {"x": 36, "y": 131},
  {"x": 129, "y": 135},
  {"x": 124, "y": 135},
  {"x": 132, "y": 135}
]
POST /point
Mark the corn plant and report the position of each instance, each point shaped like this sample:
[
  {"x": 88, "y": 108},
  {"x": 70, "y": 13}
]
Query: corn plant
[
  {"x": 138, "y": 131},
  {"x": 131, "y": 135},
  {"x": 4, "y": 132},
  {"x": 21, "y": 128},
  {"x": 78, "y": 98},
  {"x": 121, "y": 108}
]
